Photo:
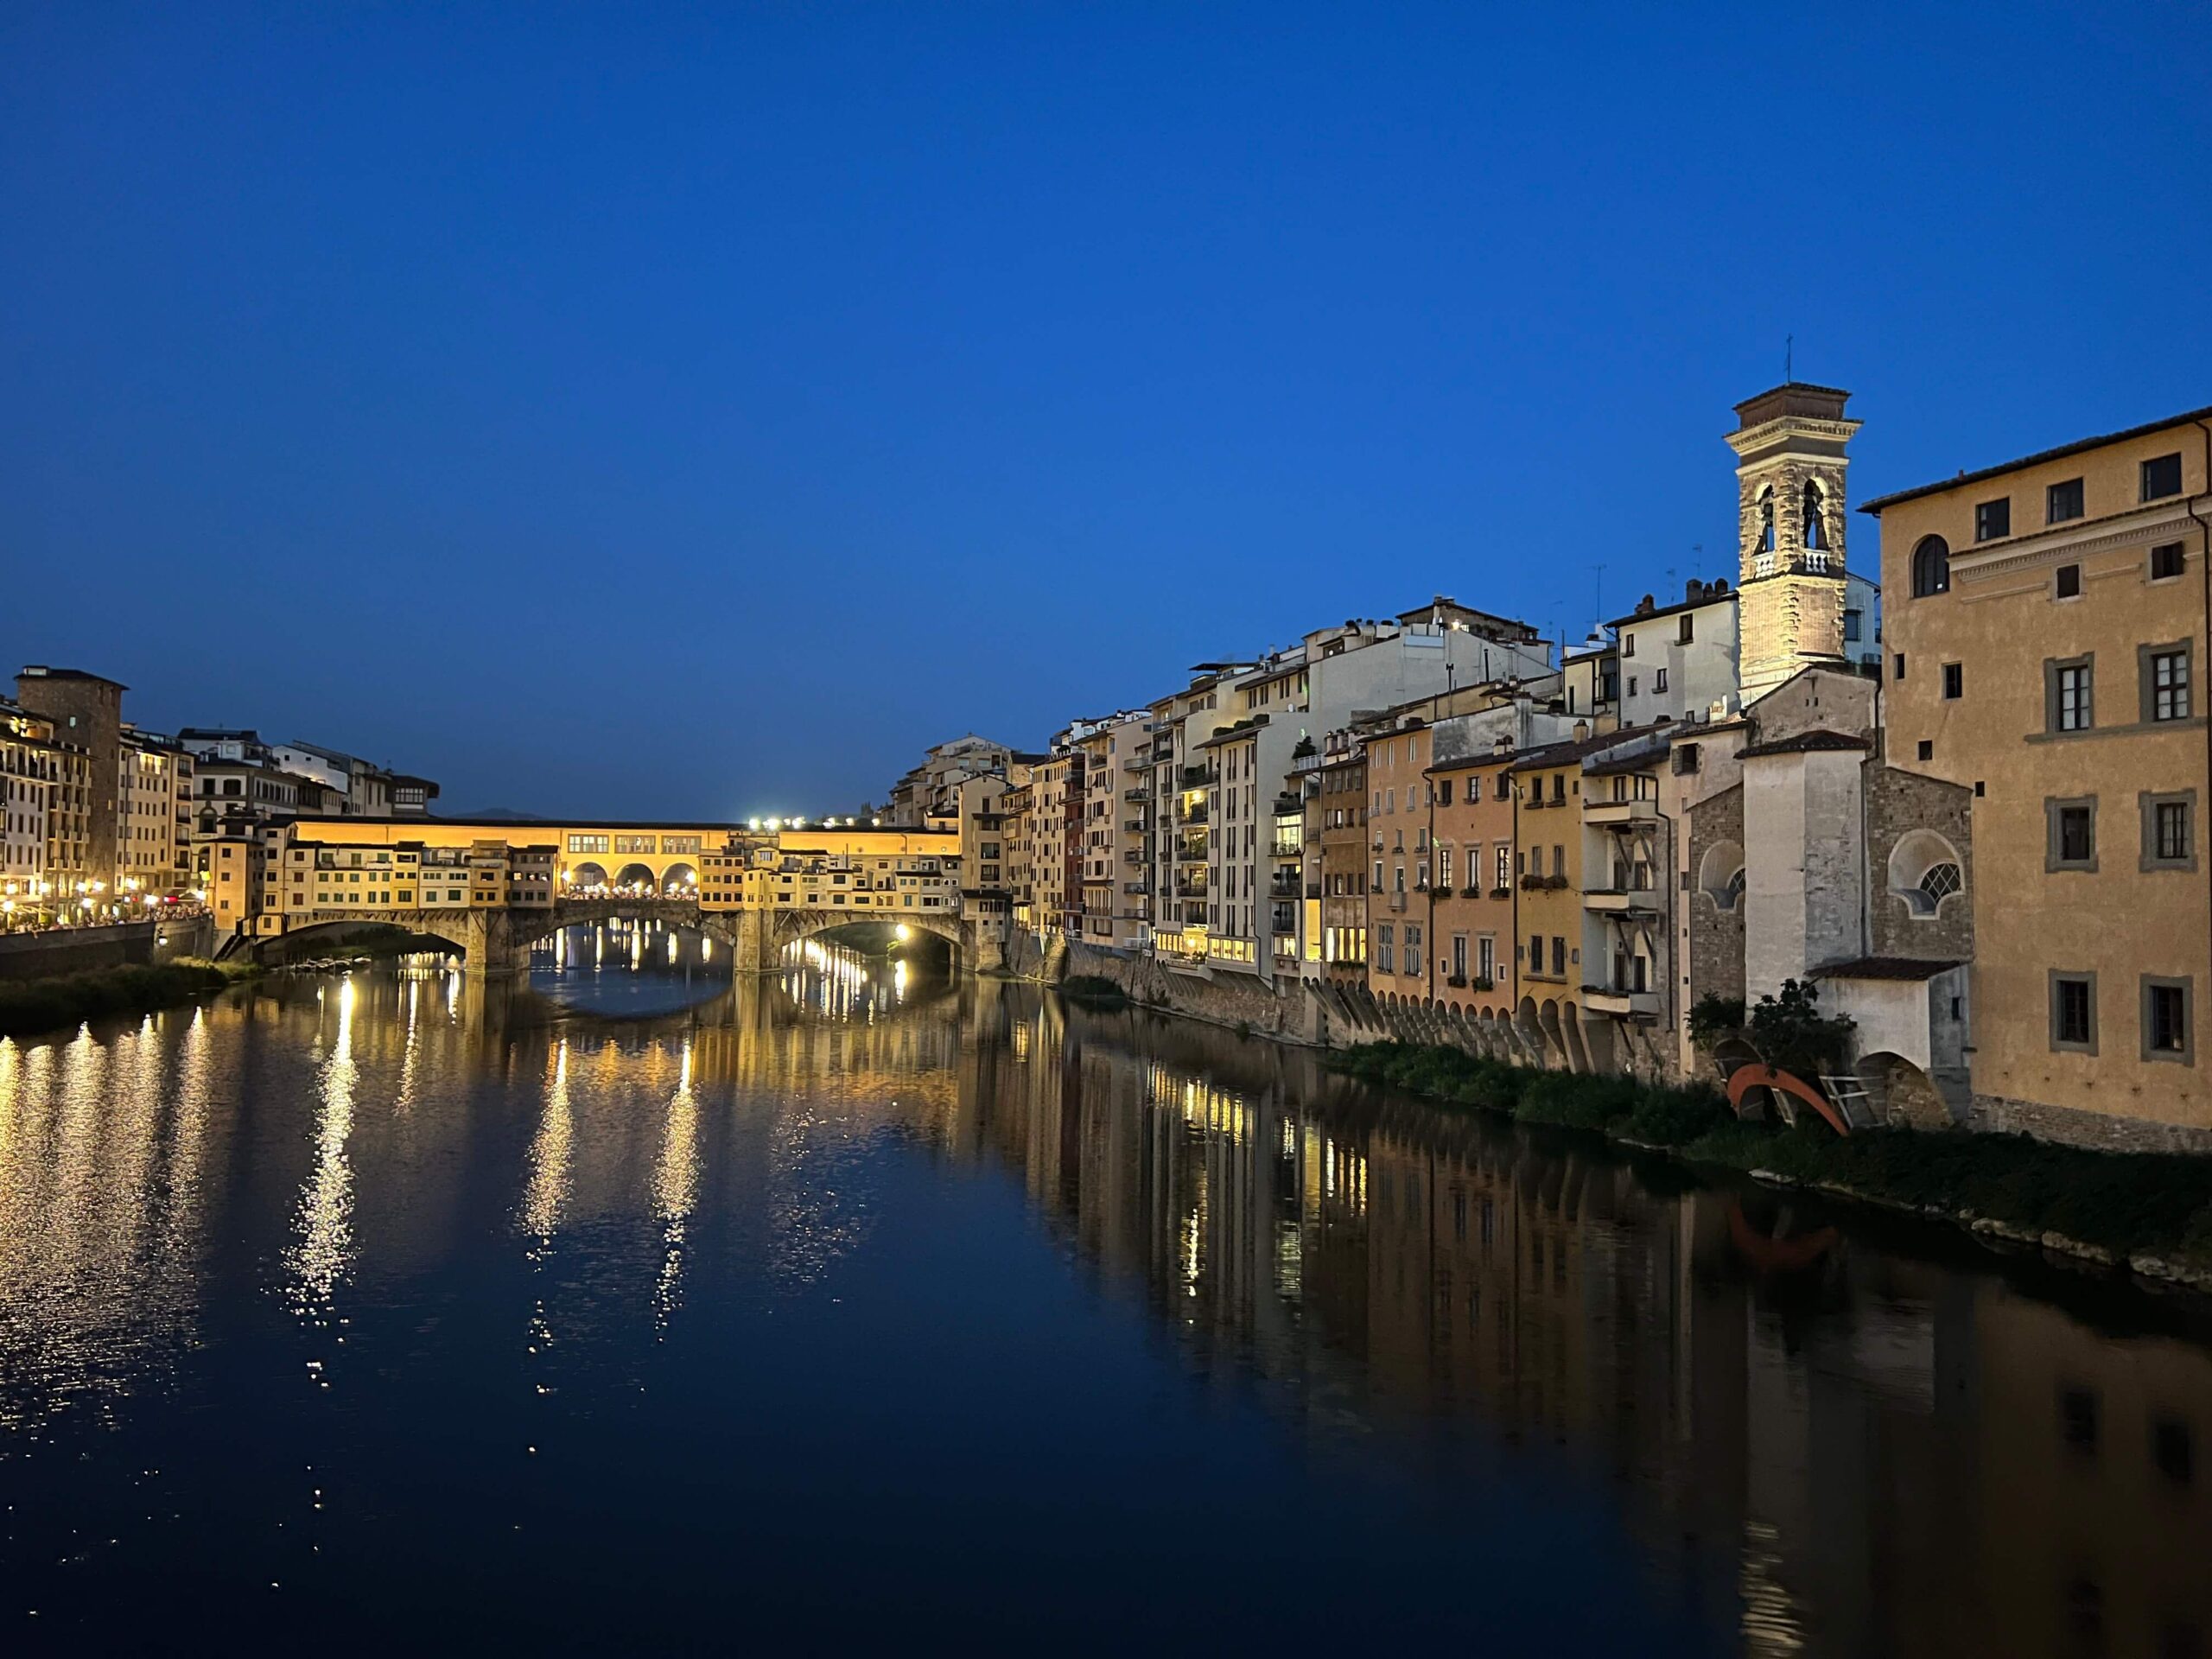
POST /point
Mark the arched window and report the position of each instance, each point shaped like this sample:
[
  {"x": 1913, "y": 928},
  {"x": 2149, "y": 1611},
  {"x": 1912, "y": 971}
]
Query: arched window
[
  {"x": 1924, "y": 870},
  {"x": 1766, "y": 520},
  {"x": 1816, "y": 535},
  {"x": 1720, "y": 874},
  {"x": 1931, "y": 568}
]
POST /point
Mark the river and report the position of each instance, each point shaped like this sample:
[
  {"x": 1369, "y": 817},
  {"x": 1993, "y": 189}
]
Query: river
[{"x": 398, "y": 1312}]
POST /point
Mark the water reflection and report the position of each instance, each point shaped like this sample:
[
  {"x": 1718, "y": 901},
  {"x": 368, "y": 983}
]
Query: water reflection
[{"x": 809, "y": 1202}]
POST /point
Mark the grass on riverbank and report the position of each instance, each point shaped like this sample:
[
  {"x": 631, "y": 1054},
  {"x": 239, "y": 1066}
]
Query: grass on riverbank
[
  {"x": 31, "y": 1007},
  {"x": 2159, "y": 1203}
]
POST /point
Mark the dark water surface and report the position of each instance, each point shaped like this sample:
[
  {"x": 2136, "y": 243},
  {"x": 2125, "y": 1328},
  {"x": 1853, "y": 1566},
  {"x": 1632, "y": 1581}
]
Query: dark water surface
[{"x": 401, "y": 1313}]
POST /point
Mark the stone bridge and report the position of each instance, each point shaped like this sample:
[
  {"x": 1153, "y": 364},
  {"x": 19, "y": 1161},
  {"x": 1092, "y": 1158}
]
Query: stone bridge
[{"x": 497, "y": 939}]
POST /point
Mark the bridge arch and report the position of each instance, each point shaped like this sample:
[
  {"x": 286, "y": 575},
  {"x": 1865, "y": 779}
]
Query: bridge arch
[
  {"x": 679, "y": 879},
  {"x": 588, "y": 876},
  {"x": 791, "y": 926},
  {"x": 636, "y": 878}
]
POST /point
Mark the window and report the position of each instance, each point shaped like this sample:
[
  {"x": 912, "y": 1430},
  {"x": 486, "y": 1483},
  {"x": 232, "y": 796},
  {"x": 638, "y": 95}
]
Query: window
[
  {"x": 1685, "y": 631},
  {"x": 2073, "y": 1013},
  {"x": 1955, "y": 681},
  {"x": 1932, "y": 567},
  {"x": 1385, "y": 951},
  {"x": 1535, "y": 953},
  {"x": 1504, "y": 867},
  {"x": 1816, "y": 535},
  {"x": 2166, "y": 1034},
  {"x": 2068, "y": 583},
  {"x": 1992, "y": 520},
  {"x": 1631, "y": 685},
  {"x": 2166, "y": 561},
  {"x": 1898, "y": 669},
  {"x": 1444, "y": 792},
  {"x": 2068, "y": 693},
  {"x": 2169, "y": 830},
  {"x": 2072, "y": 833},
  {"x": 2165, "y": 681},
  {"x": 1939, "y": 884},
  {"x": 1852, "y": 627},
  {"x": 1926, "y": 749},
  {"x": 2162, "y": 477},
  {"x": 1659, "y": 680},
  {"x": 1628, "y": 645},
  {"x": 2063, "y": 501},
  {"x": 1559, "y": 957}
]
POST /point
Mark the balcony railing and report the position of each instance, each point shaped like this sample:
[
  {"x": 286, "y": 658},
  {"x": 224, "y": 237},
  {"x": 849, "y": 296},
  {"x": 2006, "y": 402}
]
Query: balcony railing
[
  {"x": 1284, "y": 887},
  {"x": 1619, "y": 814}
]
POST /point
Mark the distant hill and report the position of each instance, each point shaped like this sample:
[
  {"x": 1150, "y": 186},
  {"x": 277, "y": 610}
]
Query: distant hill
[{"x": 491, "y": 815}]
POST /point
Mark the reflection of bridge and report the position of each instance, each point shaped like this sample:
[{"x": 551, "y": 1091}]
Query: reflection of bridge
[{"x": 493, "y": 890}]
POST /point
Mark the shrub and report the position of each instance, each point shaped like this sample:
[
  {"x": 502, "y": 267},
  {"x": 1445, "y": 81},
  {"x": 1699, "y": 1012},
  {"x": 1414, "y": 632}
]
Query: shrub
[{"x": 34, "y": 1006}]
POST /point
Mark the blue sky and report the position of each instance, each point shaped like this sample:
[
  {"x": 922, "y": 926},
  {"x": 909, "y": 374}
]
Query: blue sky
[{"x": 700, "y": 410}]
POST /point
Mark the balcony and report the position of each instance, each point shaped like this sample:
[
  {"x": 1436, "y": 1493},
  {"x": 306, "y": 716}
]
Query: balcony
[
  {"x": 1285, "y": 885},
  {"x": 1627, "y": 1004},
  {"x": 1286, "y": 847},
  {"x": 1615, "y": 815},
  {"x": 1137, "y": 794},
  {"x": 1195, "y": 814},
  {"x": 1189, "y": 852},
  {"x": 1622, "y": 901},
  {"x": 1199, "y": 777},
  {"x": 1132, "y": 826},
  {"x": 1397, "y": 901}
]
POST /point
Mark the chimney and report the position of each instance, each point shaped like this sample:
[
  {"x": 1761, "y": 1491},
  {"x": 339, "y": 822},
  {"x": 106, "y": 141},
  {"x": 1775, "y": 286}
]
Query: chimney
[{"x": 1581, "y": 730}]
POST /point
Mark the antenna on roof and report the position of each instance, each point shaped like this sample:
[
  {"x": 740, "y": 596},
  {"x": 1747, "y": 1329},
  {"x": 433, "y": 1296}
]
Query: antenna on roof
[{"x": 1789, "y": 356}]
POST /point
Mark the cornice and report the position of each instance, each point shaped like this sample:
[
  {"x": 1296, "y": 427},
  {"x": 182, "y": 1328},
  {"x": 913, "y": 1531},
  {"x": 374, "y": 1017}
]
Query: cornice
[{"x": 2075, "y": 540}]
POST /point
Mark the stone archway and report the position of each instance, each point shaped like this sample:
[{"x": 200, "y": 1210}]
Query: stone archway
[
  {"x": 589, "y": 877},
  {"x": 1903, "y": 1094},
  {"x": 636, "y": 878},
  {"x": 679, "y": 880}
]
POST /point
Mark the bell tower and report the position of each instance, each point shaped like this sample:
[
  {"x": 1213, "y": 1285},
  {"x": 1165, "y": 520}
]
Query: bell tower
[{"x": 1790, "y": 445}]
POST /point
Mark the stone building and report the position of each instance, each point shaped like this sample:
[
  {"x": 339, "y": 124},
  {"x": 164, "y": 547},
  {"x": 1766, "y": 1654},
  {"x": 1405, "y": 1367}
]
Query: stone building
[
  {"x": 2047, "y": 617},
  {"x": 1821, "y": 862},
  {"x": 85, "y": 714}
]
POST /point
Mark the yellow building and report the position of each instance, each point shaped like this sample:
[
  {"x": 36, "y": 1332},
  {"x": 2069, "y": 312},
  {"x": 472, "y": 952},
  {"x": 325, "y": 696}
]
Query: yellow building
[
  {"x": 152, "y": 843},
  {"x": 876, "y": 875},
  {"x": 2045, "y": 622}
]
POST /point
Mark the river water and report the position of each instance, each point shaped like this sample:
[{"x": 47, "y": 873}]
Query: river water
[{"x": 399, "y": 1312}]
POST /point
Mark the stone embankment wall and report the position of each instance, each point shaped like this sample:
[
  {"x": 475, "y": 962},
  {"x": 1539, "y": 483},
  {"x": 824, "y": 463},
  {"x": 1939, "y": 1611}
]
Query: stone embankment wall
[
  {"x": 86, "y": 950},
  {"x": 1292, "y": 1011},
  {"x": 75, "y": 950}
]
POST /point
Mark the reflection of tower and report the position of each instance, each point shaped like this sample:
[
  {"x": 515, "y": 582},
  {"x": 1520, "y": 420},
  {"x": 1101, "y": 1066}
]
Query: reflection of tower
[{"x": 1790, "y": 445}]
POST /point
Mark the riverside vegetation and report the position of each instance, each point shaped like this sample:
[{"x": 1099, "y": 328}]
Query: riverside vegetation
[
  {"x": 32, "y": 1006},
  {"x": 2149, "y": 1210}
]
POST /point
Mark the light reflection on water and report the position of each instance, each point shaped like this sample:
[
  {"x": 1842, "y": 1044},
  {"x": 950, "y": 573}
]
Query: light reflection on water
[{"x": 718, "y": 1302}]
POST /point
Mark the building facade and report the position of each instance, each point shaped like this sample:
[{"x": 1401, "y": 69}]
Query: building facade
[{"x": 2046, "y": 622}]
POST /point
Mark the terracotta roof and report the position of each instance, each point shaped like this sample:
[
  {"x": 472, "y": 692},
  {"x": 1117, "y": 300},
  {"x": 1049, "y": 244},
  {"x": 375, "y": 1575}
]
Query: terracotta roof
[
  {"x": 1895, "y": 497},
  {"x": 1887, "y": 967},
  {"x": 1561, "y": 754},
  {"x": 1810, "y": 742}
]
